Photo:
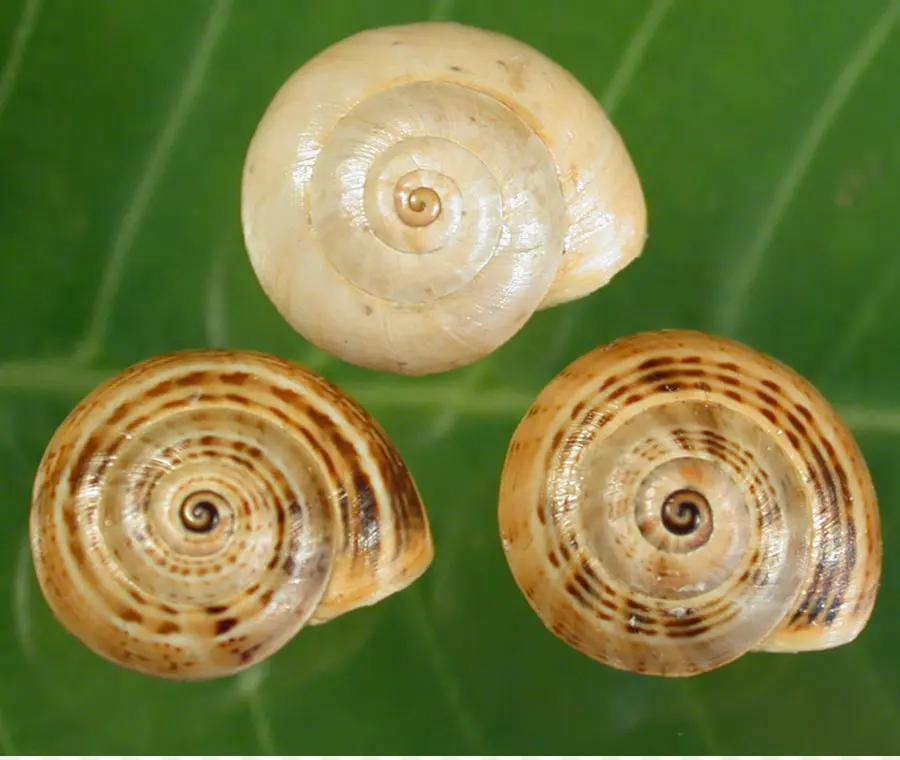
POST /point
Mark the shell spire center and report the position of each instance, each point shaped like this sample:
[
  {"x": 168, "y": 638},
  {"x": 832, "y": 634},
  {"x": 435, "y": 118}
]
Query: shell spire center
[
  {"x": 684, "y": 512},
  {"x": 416, "y": 206},
  {"x": 199, "y": 514}
]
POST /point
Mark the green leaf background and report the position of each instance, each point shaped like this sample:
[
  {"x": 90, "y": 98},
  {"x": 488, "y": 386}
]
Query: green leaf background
[{"x": 766, "y": 135}]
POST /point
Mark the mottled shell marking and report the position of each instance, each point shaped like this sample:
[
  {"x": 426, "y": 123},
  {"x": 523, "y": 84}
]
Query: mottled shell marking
[
  {"x": 774, "y": 544},
  {"x": 413, "y": 194},
  {"x": 192, "y": 514}
]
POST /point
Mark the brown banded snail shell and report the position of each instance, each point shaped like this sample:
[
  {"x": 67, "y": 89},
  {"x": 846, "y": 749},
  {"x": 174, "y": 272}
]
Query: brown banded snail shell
[
  {"x": 193, "y": 513},
  {"x": 413, "y": 194},
  {"x": 673, "y": 500}
]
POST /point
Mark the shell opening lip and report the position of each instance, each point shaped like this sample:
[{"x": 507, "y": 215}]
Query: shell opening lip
[
  {"x": 199, "y": 514},
  {"x": 684, "y": 511}
]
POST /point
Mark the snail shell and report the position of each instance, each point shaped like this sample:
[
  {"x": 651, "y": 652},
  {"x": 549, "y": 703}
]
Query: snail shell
[
  {"x": 192, "y": 514},
  {"x": 674, "y": 500},
  {"x": 414, "y": 193}
]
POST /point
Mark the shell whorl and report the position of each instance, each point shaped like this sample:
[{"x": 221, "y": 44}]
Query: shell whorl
[
  {"x": 193, "y": 513},
  {"x": 674, "y": 500},
  {"x": 413, "y": 194}
]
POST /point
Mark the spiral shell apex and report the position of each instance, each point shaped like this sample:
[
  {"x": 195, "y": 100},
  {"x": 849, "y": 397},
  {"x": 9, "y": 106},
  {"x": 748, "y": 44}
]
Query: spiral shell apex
[
  {"x": 674, "y": 500},
  {"x": 413, "y": 194},
  {"x": 193, "y": 513}
]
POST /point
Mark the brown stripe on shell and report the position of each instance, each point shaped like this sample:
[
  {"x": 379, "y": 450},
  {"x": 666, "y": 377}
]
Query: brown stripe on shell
[
  {"x": 253, "y": 438},
  {"x": 839, "y": 538},
  {"x": 365, "y": 551},
  {"x": 688, "y": 441},
  {"x": 639, "y": 618},
  {"x": 820, "y": 478}
]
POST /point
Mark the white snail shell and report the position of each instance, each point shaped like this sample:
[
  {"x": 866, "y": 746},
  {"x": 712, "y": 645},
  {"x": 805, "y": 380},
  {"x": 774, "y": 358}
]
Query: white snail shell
[
  {"x": 193, "y": 513},
  {"x": 674, "y": 500},
  {"x": 414, "y": 193}
]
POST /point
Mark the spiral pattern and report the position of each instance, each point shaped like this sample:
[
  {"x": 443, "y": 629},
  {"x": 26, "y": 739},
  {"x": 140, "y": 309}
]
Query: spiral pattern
[
  {"x": 490, "y": 210},
  {"x": 409, "y": 201},
  {"x": 674, "y": 500},
  {"x": 193, "y": 513}
]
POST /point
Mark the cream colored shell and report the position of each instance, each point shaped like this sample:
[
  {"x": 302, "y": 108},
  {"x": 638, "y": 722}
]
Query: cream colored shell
[
  {"x": 674, "y": 500},
  {"x": 192, "y": 514},
  {"x": 413, "y": 194}
]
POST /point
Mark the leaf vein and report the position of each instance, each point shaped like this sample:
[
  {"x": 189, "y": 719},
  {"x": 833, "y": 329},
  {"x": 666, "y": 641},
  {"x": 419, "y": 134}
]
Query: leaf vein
[
  {"x": 21, "y": 610},
  {"x": 123, "y": 244},
  {"x": 454, "y": 406},
  {"x": 12, "y": 67},
  {"x": 216, "y": 313},
  {"x": 635, "y": 52},
  {"x": 865, "y": 318},
  {"x": 736, "y": 290},
  {"x": 441, "y": 10},
  {"x": 619, "y": 84},
  {"x": 249, "y": 685},
  {"x": 67, "y": 379},
  {"x": 468, "y": 725},
  {"x": 862, "y": 419}
]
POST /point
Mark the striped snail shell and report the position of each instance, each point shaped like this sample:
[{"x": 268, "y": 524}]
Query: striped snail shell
[
  {"x": 413, "y": 194},
  {"x": 673, "y": 500},
  {"x": 193, "y": 513}
]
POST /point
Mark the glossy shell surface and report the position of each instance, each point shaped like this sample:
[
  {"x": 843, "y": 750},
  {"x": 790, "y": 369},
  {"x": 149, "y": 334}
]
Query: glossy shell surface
[
  {"x": 414, "y": 193},
  {"x": 674, "y": 500},
  {"x": 193, "y": 513}
]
